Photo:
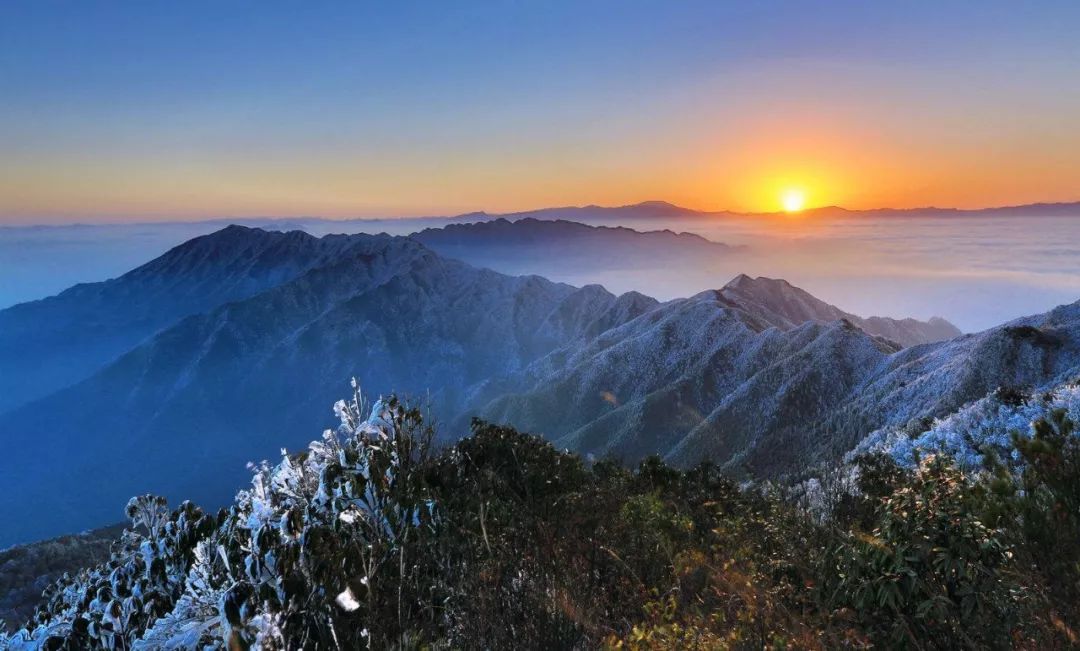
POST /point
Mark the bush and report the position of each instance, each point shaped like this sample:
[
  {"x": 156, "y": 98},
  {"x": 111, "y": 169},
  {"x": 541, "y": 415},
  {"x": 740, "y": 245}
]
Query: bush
[
  {"x": 372, "y": 538},
  {"x": 930, "y": 573}
]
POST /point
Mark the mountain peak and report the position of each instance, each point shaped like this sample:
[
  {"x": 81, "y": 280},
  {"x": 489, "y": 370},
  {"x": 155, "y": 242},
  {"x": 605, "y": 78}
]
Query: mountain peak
[
  {"x": 656, "y": 203},
  {"x": 781, "y": 304},
  {"x": 745, "y": 282},
  {"x": 659, "y": 208}
]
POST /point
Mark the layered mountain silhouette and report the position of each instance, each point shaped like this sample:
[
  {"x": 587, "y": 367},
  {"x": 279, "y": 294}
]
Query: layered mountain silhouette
[
  {"x": 232, "y": 345},
  {"x": 662, "y": 210},
  {"x": 183, "y": 411},
  {"x": 531, "y": 245}
]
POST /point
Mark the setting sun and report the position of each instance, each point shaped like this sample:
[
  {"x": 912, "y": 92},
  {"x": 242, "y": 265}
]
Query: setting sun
[{"x": 793, "y": 200}]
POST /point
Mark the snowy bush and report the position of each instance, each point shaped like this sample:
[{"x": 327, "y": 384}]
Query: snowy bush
[
  {"x": 371, "y": 539},
  {"x": 304, "y": 557},
  {"x": 984, "y": 426}
]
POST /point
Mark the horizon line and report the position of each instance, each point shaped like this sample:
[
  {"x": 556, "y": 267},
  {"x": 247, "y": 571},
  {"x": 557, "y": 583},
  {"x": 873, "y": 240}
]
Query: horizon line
[{"x": 657, "y": 203}]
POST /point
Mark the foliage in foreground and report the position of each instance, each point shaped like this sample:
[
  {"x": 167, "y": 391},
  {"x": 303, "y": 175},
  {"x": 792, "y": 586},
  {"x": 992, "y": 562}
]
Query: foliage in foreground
[{"x": 372, "y": 538}]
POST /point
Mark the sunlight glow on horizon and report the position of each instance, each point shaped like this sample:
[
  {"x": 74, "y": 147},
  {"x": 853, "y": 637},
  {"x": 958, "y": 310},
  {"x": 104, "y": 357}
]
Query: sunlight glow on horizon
[
  {"x": 793, "y": 200},
  {"x": 402, "y": 110}
]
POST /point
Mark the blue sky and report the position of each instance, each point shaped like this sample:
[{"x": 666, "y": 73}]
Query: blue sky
[{"x": 155, "y": 110}]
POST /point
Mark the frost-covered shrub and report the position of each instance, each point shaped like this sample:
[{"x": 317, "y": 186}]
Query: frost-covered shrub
[
  {"x": 111, "y": 605},
  {"x": 312, "y": 555},
  {"x": 371, "y": 539},
  {"x": 984, "y": 426}
]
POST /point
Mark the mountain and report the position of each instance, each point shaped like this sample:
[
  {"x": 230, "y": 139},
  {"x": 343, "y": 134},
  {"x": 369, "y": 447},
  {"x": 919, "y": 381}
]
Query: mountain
[
  {"x": 547, "y": 247},
  {"x": 48, "y": 344},
  {"x": 52, "y": 343},
  {"x": 181, "y": 413},
  {"x": 590, "y": 213},
  {"x": 785, "y": 306},
  {"x": 1063, "y": 209},
  {"x": 662, "y": 210},
  {"x": 235, "y": 343},
  {"x": 711, "y": 378}
]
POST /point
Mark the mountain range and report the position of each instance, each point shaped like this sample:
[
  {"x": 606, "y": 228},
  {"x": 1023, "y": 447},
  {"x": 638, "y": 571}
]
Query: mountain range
[
  {"x": 707, "y": 378},
  {"x": 654, "y": 211},
  {"x": 572, "y": 249},
  {"x": 169, "y": 378}
]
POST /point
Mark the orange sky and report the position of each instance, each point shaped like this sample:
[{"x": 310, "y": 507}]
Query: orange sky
[{"x": 506, "y": 108}]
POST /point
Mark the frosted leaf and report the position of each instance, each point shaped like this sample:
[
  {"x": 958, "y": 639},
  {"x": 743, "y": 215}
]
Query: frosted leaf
[{"x": 347, "y": 600}]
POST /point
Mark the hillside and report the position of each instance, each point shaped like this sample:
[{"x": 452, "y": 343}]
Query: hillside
[
  {"x": 758, "y": 376},
  {"x": 183, "y": 412},
  {"x": 375, "y": 538},
  {"x": 747, "y": 387},
  {"x": 27, "y": 570},
  {"x": 55, "y": 342}
]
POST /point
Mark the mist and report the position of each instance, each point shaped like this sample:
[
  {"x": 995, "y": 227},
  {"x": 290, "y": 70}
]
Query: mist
[{"x": 976, "y": 271}]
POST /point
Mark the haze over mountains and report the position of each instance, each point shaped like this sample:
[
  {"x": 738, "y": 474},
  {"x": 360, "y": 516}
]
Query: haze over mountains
[
  {"x": 653, "y": 210},
  {"x": 571, "y": 250},
  {"x": 975, "y": 268},
  {"x": 185, "y": 409},
  {"x": 230, "y": 346}
]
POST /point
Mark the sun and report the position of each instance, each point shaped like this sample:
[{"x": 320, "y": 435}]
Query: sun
[{"x": 793, "y": 199}]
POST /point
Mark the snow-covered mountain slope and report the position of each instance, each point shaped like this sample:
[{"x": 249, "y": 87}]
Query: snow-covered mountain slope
[
  {"x": 55, "y": 342},
  {"x": 984, "y": 426},
  {"x": 237, "y": 341},
  {"x": 182, "y": 413},
  {"x": 707, "y": 378},
  {"x": 785, "y": 306}
]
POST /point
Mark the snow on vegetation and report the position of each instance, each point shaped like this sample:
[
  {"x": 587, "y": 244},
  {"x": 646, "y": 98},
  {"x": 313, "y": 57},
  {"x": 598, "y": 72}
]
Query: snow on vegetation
[
  {"x": 370, "y": 538},
  {"x": 981, "y": 427},
  {"x": 185, "y": 579}
]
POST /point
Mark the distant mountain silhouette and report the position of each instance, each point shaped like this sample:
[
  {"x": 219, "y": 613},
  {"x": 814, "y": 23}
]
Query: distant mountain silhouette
[
  {"x": 659, "y": 210},
  {"x": 531, "y": 245}
]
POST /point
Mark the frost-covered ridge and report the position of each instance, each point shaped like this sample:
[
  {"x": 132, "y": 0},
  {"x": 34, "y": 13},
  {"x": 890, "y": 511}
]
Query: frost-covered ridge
[
  {"x": 986, "y": 425},
  {"x": 728, "y": 381},
  {"x": 782, "y": 304},
  {"x": 758, "y": 376}
]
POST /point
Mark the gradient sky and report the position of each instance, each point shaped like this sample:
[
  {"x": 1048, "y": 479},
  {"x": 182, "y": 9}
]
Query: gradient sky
[{"x": 155, "y": 110}]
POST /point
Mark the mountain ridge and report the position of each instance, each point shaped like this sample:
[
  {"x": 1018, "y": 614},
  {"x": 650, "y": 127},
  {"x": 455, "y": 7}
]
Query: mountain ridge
[
  {"x": 55, "y": 341},
  {"x": 757, "y": 376},
  {"x": 784, "y": 304},
  {"x": 716, "y": 382},
  {"x": 657, "y": 209},
  {"x": 209, "y": 391}
]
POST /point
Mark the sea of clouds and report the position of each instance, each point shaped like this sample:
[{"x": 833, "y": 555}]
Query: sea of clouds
[{"x": 976, "y": 271}]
